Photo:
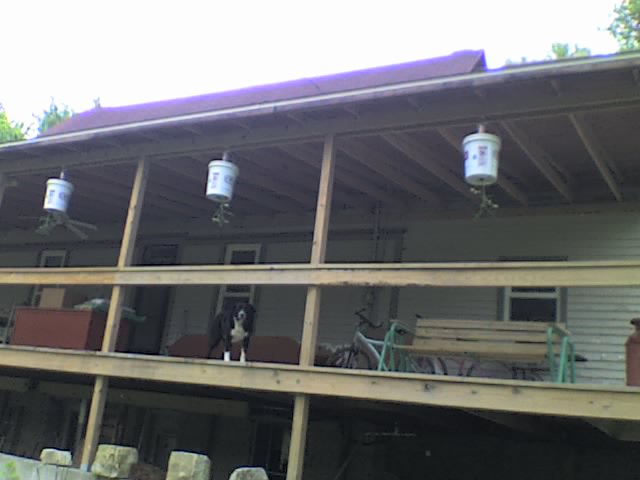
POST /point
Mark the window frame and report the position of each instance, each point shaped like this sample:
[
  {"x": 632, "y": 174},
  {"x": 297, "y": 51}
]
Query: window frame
[
  {"x": 36, "y": 293},
  {"x": 559, "y": 294},
  {"x": 223, "y": 292}
]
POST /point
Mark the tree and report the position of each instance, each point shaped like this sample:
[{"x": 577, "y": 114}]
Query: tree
[
  {"x": 625, "y": 26},
  {"x": 558, "y": 52},
  {"x": 53, "y": 116},
  {"x": 564, "y": 50},
  {"x": 10, "y": 131}
]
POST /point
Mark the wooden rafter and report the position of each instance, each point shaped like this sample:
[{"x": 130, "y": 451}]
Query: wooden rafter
[
  {"x": 539, "y": 158},
  {"x": 300, "y": 173},
  {"x": 344, "y": 175},
  {"x": 507, "y": 185},
  {"x": 114, "y": 186},
  {"x": 263, "y": 178},
  {"x": 378, "y": 164},
  {"x": 598, "y": 154},
  {"x": 422, "y": 156},
  {"x": 259, "y": 199}
]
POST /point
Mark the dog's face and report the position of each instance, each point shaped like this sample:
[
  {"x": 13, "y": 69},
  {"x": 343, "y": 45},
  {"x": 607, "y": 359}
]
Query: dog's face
[{"x": 243, "y": 311}]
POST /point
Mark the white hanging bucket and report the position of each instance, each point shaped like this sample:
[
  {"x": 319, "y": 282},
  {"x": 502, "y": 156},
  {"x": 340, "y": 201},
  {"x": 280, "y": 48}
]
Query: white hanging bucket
[
  {"x": 481, "y": 157},
  {"x": 58, "y": 195},
  {"x": 221, "y": 180}
]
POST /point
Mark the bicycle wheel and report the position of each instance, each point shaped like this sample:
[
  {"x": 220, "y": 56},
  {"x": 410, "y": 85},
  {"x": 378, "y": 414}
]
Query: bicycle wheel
[{"x": 348, "y": 357}]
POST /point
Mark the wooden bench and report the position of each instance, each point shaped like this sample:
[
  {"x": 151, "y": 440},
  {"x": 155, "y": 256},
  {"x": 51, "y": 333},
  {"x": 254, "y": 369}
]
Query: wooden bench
[{"x": 513, "y": 342}]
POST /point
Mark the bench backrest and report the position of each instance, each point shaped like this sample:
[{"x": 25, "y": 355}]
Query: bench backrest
[{"x": 498, "y": 339}]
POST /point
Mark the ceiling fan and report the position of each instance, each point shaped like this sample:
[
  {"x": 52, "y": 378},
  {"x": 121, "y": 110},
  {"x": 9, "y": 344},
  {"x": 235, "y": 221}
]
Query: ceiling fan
[{"x": 56, "y": 202}]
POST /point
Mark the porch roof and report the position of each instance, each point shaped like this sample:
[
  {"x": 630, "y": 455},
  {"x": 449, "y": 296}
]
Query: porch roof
[{"x": 568, "y": 132}]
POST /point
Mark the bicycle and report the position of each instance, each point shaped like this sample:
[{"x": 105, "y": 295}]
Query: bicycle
[{"x": 361, "y": 353}]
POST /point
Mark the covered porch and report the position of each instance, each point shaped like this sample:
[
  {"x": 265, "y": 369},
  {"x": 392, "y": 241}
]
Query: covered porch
[{"x": 361, "y": 193}]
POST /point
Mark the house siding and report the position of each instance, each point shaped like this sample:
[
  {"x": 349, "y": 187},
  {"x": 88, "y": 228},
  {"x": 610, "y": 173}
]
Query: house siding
[{"x": 597, "y": 317}]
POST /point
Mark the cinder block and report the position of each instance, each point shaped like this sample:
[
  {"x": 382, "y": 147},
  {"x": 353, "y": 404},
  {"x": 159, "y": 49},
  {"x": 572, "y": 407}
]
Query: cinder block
[
  {"x": 249, "y": 473},
  {"x": 114, "y": 461},
  {"x": 51, "y": 456},
  {"x": 188, "y": 466}
]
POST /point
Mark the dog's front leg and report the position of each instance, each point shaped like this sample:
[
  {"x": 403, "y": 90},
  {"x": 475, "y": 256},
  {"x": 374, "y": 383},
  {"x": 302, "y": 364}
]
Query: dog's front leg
[
  {"x": 245, "y": 347},
  {"x": 227, "y": 348}
]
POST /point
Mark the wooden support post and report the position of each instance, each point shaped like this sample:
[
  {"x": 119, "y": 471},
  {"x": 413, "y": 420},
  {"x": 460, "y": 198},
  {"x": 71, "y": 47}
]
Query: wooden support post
[
  {"x": 312, "y": 309},
  {"x": 4, "y": 181},
  {"x": 101, "y": 387}
]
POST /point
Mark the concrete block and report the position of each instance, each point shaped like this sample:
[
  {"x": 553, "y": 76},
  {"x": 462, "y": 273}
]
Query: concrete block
[
  {"x": 51, "y": 456},
  {"x": 188, "y": 466},
  {"x": 114, "y": 461},
  {"x": 249, "y": 473}
]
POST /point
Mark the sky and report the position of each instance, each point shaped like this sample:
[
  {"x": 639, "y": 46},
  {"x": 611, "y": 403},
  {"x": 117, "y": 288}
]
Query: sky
[{"x": 137, "y": 51}]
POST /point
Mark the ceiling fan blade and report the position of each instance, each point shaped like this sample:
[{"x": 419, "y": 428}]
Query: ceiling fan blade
[
  {"x": 78, "y": 223},
  {"x": 76, "y": 230}
]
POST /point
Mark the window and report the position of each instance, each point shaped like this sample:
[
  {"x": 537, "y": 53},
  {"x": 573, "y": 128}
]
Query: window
[
  {"x": 271, "y": 448},
  {"x": 239, "y": 254},
  {"x": 533, "y": 304},
  {"x": 48, "y": 259}
]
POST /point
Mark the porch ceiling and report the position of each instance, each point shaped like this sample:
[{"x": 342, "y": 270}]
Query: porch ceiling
[{"x": 567, "y": 139}]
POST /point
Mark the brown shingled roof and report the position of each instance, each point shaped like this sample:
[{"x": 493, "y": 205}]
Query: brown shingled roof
[{"x": 456, "y": 64}]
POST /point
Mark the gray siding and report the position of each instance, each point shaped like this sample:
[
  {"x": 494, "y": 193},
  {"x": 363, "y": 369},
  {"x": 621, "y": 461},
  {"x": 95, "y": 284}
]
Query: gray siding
[{"x": 598, "y": 318}]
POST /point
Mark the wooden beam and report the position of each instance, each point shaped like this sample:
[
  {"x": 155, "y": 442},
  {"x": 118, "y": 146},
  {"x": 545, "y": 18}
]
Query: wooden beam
[
  {"x": 539, "y": 158},
  {"x": 423, "y": 157},
  {"x": 378, "y": 164},
  {"x": 262, "y": 178},
  {"x": 112, "y": 326},
  {"x": 14, "y": 384},
  {"x": 598, "y": 154},
  {"x": 300, "y": 173},
  {"x": 312, "y": 308},
  {"x": 150, "y": 399},
  {"x": 345, "y": 176},
  {"x": 444, "y": 114},
  {"x": 503, "y": 182},
  {"x": 517, "y": 422},
  {"x": 607, "y": 273},
  {"x": 258, "y": 198},
  {"x": 4, "y": 180},
  {"x": 515, "y": 396},
  {"x": 626, "y": 431}
]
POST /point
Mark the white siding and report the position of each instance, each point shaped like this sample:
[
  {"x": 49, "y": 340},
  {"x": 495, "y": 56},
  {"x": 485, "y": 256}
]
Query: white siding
[
  {"x": 598, "y": 318},
  {"x": 11, "y": 295},
  {"x": 281, "y": 309}
]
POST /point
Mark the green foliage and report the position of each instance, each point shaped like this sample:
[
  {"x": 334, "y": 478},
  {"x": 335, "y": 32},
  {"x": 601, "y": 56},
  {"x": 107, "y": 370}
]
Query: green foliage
[
  {"x": 564, "y": 50},
  {"x": 10, "y": 131},
  {"x": 625, "y": 26},
  {"x": 558, "y": 52},
  {"x": 53, "y": 116},
  {"x": 9, "y": 471}
]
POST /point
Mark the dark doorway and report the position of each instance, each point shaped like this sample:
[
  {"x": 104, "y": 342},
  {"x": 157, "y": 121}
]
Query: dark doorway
[{"x": 153, "y": 303}]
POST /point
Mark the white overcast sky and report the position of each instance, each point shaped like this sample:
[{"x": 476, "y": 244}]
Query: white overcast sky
[{"x": 137, "y": 51}]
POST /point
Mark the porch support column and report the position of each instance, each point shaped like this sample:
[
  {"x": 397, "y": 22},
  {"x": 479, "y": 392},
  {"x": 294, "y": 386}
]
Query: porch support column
[
  {"x": 312, "y": 309},
  {"x": 101, "y": 387},
  {"x": 4, "y": 183}
]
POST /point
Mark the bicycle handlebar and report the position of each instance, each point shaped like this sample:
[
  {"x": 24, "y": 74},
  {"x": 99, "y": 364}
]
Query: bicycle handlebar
[{"x": 365, "y": 320}]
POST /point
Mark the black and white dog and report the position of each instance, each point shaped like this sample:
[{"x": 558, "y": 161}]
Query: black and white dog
[{"x": 232, "y": 325}]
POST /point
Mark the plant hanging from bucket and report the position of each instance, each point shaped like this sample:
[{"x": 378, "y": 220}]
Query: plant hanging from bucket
[
  {"x": 487, "y": 206},
  {"x": 221, "y": 217}
]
